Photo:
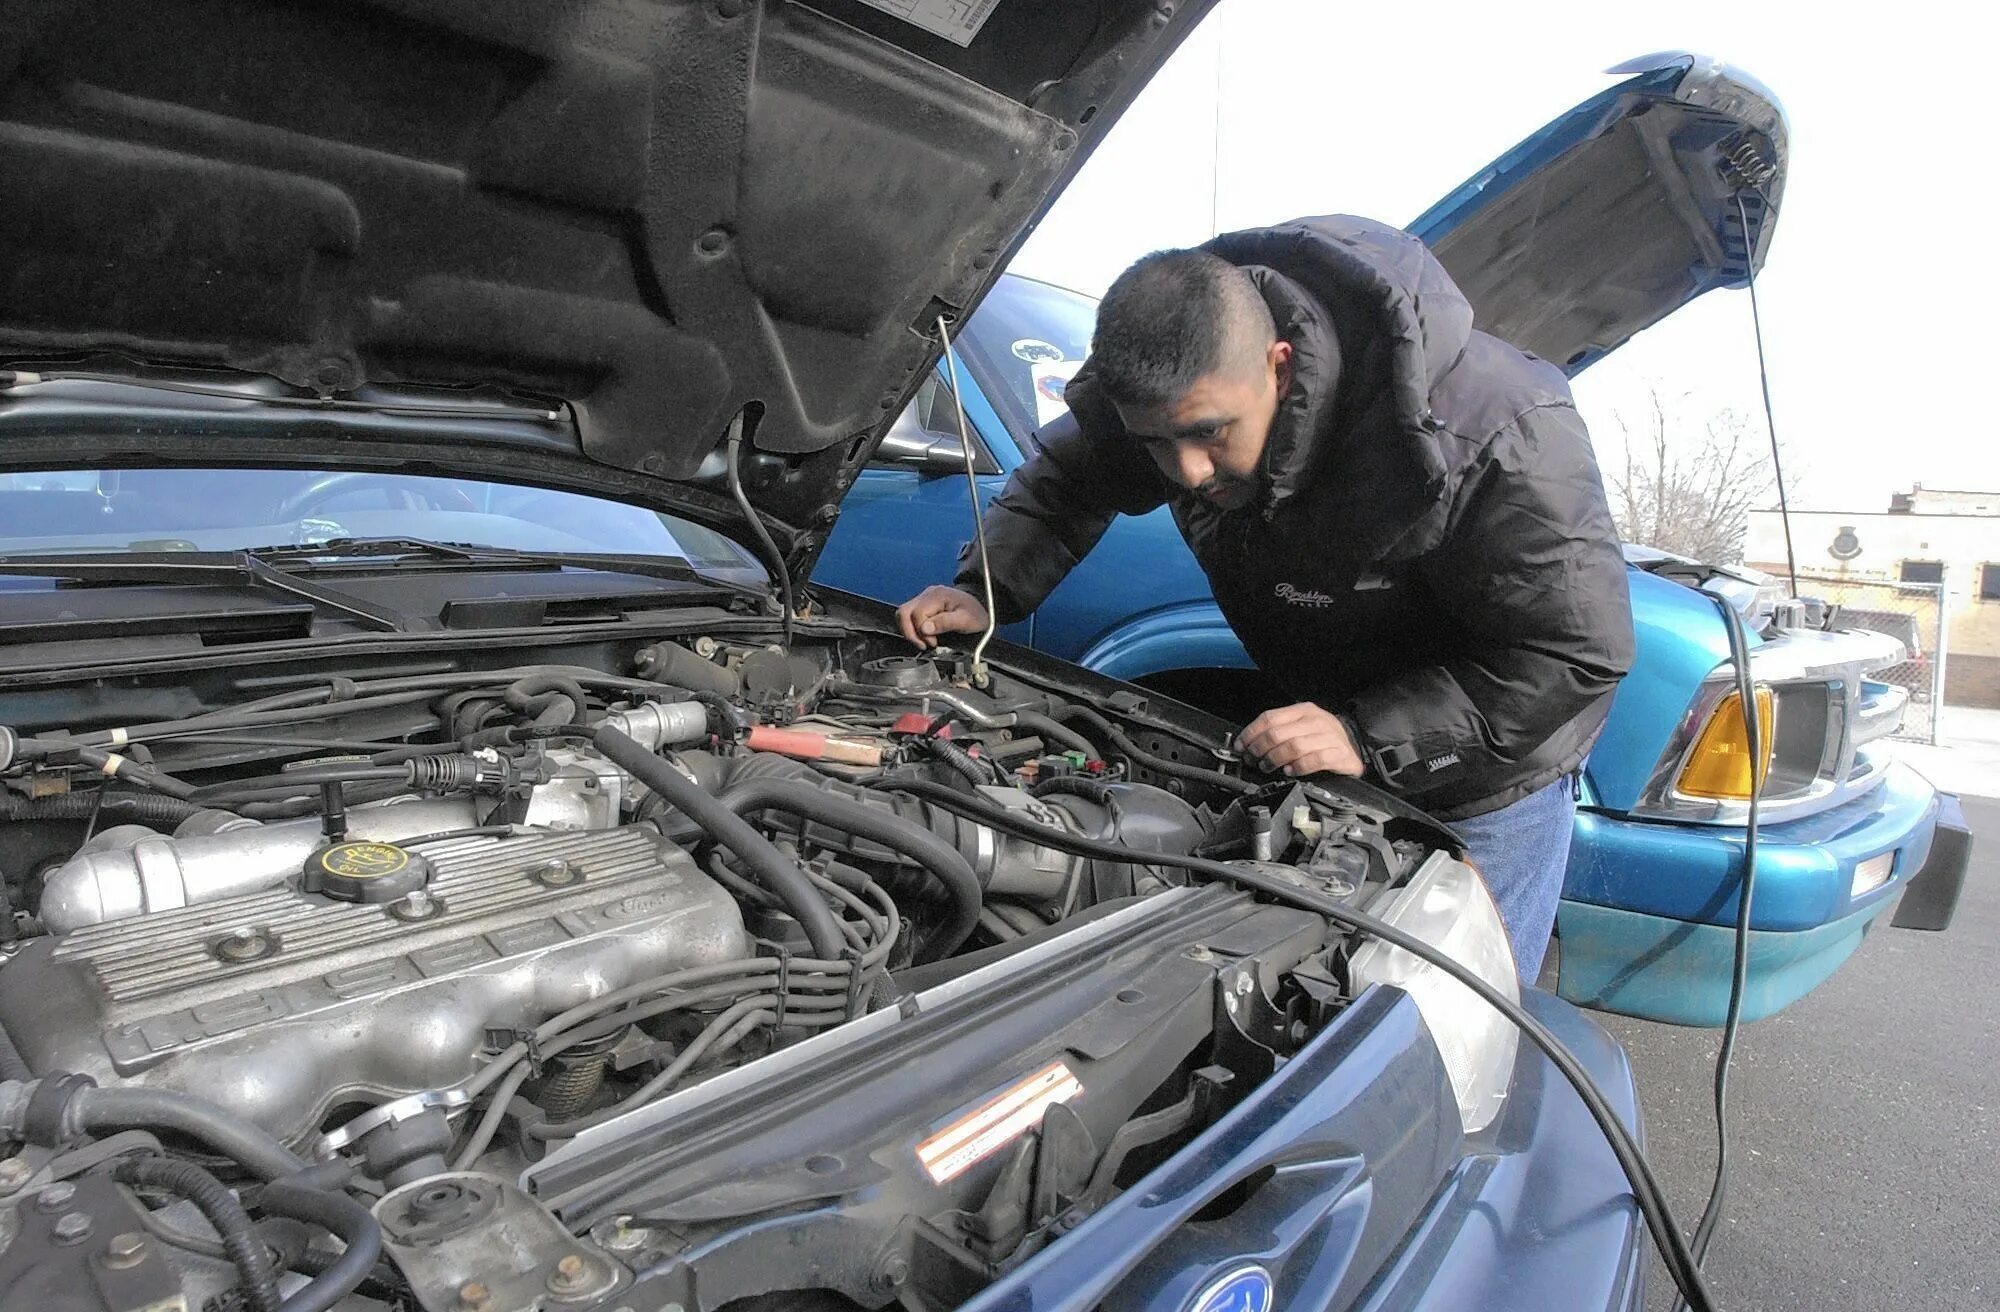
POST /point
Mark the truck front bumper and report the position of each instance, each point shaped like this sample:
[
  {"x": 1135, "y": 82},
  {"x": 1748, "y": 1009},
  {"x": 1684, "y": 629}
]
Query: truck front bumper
[{"x": 1648, "y": 918}]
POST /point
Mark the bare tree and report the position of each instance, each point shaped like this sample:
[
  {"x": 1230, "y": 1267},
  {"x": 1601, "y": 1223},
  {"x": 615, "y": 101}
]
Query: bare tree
[{"x": 1692, "y": 493}]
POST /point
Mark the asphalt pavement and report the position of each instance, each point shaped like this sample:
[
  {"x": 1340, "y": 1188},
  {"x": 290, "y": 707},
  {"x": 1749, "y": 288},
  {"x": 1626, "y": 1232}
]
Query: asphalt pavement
[{"x": 1865, "y": 1124}]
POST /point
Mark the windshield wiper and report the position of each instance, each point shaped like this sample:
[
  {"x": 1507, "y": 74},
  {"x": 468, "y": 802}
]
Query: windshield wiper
[
  {"x": 204, "y": 567},
  {"x": 331, "y": 553}
]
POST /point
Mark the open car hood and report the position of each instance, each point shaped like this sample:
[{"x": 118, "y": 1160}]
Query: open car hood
[
  {"x": 1619, "y": 212},
  {"x": 651, "y": 218}
]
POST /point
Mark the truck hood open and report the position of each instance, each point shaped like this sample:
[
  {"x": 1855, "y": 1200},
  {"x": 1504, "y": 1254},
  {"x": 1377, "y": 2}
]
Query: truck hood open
[{"x": 1619, "y": 212}]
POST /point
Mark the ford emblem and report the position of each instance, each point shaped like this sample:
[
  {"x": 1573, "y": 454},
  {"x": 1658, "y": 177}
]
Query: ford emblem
[{"x": 1245, "y": 1288}]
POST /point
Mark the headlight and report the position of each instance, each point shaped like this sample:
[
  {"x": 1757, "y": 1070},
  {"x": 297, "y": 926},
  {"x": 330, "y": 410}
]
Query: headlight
[
  {"x": 1719, "y": 766},
  {"x": 1446, "y": 905}
]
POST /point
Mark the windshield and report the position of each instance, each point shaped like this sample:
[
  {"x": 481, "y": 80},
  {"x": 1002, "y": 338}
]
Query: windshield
[
  {"x": 1024, "y": 343},
  {"x": 231, "y": 509}
]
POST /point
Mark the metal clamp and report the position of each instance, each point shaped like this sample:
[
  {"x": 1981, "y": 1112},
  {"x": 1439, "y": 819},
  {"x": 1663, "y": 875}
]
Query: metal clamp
[{"x": 391, "y": 1113}]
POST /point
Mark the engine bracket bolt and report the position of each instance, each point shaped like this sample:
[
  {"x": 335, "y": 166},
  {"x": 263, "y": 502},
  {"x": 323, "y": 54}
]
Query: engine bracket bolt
[
  {"x": 244, "y": 944},
  {"x": 72, "y": 1228},
  {"x": 623, "y": 1238},
  {"x": 56, "y": 1197},
  {"x": 557, "y": 874},
  {"x": 14, "y": 1172},
  {"x": 416, "y": 905},
  {"x": 125, "y": 1251},
  {"x": 894, "y": 1272},
  {"x": 572, "y": 1275},
  {"x": 474, "y": 1296}
]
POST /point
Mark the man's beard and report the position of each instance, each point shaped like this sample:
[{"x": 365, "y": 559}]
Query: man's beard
[{"x": 1227, "y": 493}]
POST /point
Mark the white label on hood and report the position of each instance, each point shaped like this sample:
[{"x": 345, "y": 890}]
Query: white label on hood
[
  {"x": 957, "y": 21},
  {"x": 997, "y": 1122}
]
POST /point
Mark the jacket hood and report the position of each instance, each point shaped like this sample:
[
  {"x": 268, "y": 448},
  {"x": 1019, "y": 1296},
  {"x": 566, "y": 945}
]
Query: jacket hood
[
  {"x": 1374, "y": 322},
  {"x": 638, "y": 223}
]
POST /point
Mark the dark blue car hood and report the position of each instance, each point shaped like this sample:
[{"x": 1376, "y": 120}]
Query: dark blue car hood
[{"x": 1619, "y": 212}]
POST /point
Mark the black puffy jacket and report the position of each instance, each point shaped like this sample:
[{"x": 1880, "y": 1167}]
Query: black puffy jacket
[{"x": 1431, "y": 556}]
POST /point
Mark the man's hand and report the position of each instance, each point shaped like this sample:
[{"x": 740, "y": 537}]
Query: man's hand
[
  {"x": 940, "y": 609},
  {"x": 1301, "y": 739}
]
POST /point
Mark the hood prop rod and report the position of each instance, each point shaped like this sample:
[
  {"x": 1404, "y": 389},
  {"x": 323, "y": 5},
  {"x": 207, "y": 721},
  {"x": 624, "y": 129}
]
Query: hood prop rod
[
  {"x": 979, "y": 676},
  {"x": 780, "y": 574}
]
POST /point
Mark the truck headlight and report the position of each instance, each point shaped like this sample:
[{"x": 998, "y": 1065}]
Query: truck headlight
[{"x": 1446, "y": 905}]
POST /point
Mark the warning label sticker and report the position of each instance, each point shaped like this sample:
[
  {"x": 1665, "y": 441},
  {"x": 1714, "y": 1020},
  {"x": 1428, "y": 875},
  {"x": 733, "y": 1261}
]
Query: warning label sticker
[
  {"x": 994, "y": 1124},
  {"x": 957, "y": 21}
]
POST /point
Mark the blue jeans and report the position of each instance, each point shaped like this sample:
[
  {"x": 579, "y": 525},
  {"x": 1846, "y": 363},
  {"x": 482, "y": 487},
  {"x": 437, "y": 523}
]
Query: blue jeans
[{"x": 1523, "y": 849}]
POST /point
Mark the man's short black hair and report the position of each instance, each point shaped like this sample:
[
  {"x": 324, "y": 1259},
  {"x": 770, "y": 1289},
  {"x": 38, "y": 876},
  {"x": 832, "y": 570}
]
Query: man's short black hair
[{"x": 1173, "y": 317}]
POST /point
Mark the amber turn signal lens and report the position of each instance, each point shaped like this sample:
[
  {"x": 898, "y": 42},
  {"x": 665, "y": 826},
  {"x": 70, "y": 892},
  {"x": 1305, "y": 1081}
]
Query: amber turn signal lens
[{"x": 1719, "y": 766}]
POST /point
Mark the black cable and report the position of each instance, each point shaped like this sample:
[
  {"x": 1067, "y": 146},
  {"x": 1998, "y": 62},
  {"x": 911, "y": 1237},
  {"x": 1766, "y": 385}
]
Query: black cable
[
  {"x": 219, "y": 1205},
  {"x": 149, "y": 808},
  {"x": 310, "y": 777},
  {"x": 1753, "y": 736},
  {"x": 1764, "y": 380},
  {"x": 1646, "y": 1190},
  {"x": 771, "y": 867},
  {"x": 1051, "y": 732},
  {"x": 944, "y": 862},
  {"x": 350, "y": 1222},
  {"x": 764, "y": 539},
  {"x": 977, "y": 773},
  {"x": 1157, "y": 764},
  {"x": 148, "y": 777}
]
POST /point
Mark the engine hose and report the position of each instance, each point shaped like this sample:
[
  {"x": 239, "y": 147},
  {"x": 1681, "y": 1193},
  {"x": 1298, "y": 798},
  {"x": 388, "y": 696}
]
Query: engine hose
[
  {"x": 350, "y": 1222},
  {"x": 669, "y": 662},
  {"x": 134, "y": 1108},
  {"x": 1091, "y": 790},
  {"x": 542, "y": 696},
  {"x": 960, "y": 760},
  {"x": 146, "y": 808},
  {"x": 304, "y": 780},
  {"x": 148, "y": 777},
  {"x": 1049, "y": 730},
  {"x": 215, "y": 1202},
  {"x": 384, "y": 1283},
  {"x": 772, "y": 868},
  {"x": 1157, "y": 764},
  {"x": 941, "y": 859}
]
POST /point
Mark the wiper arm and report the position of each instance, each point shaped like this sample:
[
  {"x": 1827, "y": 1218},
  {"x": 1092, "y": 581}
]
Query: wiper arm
[
  {"x": 203, "y": 567},
  {"x": 671, "y": 568},
  {"x": 292, "y": 552}
]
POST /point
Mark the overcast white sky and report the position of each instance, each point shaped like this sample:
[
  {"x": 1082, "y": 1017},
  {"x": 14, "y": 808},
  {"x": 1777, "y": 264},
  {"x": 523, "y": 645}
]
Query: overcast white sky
[{"x": 1880, "y": 288}]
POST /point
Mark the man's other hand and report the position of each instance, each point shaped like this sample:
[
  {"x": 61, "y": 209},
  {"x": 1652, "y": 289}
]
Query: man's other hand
[
  {"x": 1302, "y": 739},
  {"x": 940, "y": 609}
]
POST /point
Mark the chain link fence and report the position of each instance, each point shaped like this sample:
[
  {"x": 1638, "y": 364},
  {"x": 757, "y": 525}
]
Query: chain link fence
[{"x": 1913, "y": 614}]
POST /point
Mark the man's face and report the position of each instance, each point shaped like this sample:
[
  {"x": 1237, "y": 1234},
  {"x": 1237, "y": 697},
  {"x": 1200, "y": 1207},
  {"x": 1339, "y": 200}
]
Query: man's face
[{"x": 1211, "y": 441}]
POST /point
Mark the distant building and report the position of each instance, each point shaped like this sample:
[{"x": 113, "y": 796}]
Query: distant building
[{"x": 1926, "y": 536}]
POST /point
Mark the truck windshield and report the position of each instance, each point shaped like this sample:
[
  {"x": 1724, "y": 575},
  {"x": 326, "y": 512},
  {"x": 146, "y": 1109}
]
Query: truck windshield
[
  {"x": 1024, "y": 344},
  {"x": 65, "y": 510}
]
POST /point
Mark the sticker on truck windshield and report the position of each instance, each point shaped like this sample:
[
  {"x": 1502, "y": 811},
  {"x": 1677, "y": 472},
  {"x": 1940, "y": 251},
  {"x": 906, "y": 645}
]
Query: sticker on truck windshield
[
  {"x": 957, "y": 21},
  {"x": 995, "y": 1123},
  {"x": 1051, "y": 395}
]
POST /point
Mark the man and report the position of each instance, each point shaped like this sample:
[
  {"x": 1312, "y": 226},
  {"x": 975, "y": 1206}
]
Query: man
[{"x": 1400, "y": 516}]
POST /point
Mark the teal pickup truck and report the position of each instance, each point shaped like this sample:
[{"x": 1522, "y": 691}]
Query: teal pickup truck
[{"x": 1595, "y": 227}]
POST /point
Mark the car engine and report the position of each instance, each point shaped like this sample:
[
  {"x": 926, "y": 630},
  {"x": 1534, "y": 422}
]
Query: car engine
[{"x": 385, "y": 942}]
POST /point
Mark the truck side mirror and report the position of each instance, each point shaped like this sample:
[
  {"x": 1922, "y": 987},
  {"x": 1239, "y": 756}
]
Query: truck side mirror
[{"x": 909, "y": 445}]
